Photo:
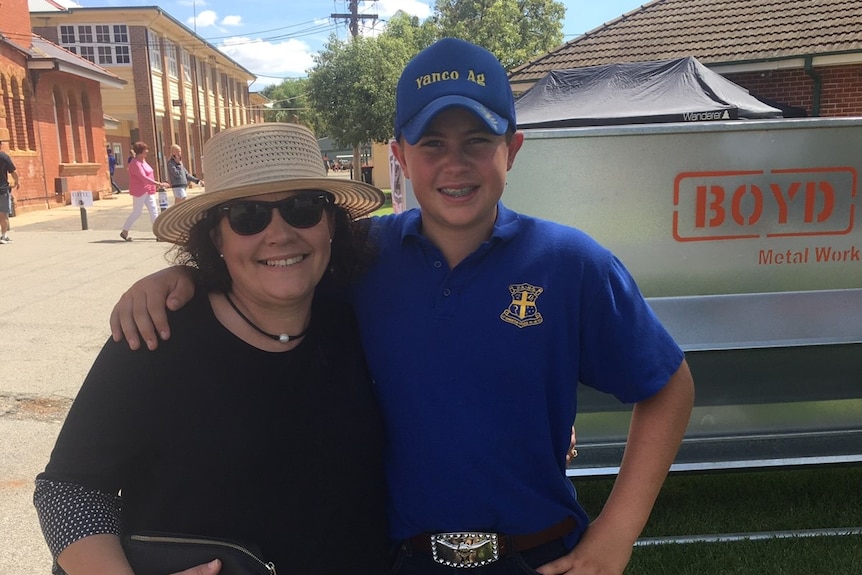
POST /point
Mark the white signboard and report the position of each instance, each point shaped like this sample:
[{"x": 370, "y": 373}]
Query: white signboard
[{"x": 82, "y": 198}]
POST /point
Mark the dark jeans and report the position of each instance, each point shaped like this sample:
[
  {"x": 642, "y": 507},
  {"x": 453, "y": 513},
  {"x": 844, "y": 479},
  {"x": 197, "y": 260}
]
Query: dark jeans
[
  {"x": 115, "y": 186},
  {"x": 407, "y": 563}
]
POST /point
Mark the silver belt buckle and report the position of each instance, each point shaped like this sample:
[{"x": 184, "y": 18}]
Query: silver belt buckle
[{"x": 465, "y": 549}]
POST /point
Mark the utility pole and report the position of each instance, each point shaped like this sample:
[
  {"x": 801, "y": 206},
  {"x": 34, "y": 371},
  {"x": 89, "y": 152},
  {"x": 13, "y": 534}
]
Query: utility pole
[
  {"x": 354, "y": 17},
  {"x": 353, "y": 20}
]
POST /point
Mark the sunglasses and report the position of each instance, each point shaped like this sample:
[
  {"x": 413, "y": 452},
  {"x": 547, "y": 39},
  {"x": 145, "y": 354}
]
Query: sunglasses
[{"x": 249, "y": 217}]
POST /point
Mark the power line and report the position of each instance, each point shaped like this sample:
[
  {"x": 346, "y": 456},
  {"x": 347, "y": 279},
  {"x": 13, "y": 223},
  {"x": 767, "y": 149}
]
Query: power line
[
  {"x": 354, "y": 17},
  {"x": 315, "y": 22}
]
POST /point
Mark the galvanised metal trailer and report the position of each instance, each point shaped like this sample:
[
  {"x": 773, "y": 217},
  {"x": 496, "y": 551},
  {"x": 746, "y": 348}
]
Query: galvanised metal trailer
[{"x": 744, "y": 238}]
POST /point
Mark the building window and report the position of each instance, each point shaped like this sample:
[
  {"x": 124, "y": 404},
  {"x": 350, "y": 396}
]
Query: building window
[
  {"x": 202, "y": 79},
  {"x": 85, "y": 34},
  {"x": 103, "y": 34},
  {"x": 155, "y": 54},
  {"x": 87, "y": 52},
  {"x": 73, "y": 117},
  {"x": 60, "y": 121},
  {"x": 6, "y": 101},
  {"x": 171, "y": 55},
  {"x": 122, "y": 54},
  {"x": 89, "y": 145},
  {"x": 103, "y": 48},
  {"x": 187, "y": 66},
  {"x": 67, "y": 34},
  {"x": 121, "y": 34},
  {"x": 105, "y": 55}
]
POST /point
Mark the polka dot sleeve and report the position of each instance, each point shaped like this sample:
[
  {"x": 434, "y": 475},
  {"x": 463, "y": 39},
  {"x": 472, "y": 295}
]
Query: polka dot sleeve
[{"x": 69, "y": 512}]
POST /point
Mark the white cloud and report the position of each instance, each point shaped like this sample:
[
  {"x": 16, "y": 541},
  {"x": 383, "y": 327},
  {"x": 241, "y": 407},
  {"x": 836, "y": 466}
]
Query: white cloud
[
  {"x": 270, "y": 61},
  {"x": 231, "y": 21},
  {"x": 386, "y": 8},
  {"x": 203, "y": 20}
]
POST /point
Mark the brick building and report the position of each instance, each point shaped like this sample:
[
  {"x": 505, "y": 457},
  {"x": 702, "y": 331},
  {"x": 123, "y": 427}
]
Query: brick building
[
  {"x": 180, "y": 89},
  {"x": 801, "y": 54},
  {"x": 51, "y": 120}
]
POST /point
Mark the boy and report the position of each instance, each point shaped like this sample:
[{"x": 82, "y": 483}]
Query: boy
[{"x": 499, "y": 315}]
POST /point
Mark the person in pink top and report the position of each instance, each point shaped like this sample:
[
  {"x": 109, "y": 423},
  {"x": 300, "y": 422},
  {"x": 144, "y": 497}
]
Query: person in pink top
[{"x": 142, "y": 188}]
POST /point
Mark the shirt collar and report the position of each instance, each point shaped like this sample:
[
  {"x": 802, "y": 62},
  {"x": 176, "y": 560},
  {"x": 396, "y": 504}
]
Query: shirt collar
[{"x": 505, "y": 228}]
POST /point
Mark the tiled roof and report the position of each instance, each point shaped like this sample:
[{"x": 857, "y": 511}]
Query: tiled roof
[{"x": 713, "y": 31}]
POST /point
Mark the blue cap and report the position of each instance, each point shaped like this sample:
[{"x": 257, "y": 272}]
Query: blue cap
[{"x": 453, "y": 73}]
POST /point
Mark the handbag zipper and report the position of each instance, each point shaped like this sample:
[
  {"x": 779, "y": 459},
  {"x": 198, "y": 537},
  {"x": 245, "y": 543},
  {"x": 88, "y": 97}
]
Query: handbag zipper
[{"x": 270, "y": 566}]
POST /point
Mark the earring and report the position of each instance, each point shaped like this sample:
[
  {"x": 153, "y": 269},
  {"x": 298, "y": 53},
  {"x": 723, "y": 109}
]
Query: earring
[{"x": 221, "y": 256}]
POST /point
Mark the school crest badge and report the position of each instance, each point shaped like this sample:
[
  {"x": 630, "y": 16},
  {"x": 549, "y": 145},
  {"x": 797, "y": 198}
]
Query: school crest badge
[{"x": 523, "y": 311}]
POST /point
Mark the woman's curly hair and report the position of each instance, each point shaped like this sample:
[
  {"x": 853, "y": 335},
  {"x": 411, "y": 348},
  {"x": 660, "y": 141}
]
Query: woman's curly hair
[{"x": 352, "y": 251}]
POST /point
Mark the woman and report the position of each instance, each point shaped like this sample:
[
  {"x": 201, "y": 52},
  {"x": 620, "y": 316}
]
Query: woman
[
  {"x": 142, "y": 188},
  {"x": 235, "y": 428}
]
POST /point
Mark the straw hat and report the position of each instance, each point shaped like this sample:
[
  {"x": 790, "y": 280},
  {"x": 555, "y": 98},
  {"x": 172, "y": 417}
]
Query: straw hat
[{"x": 259, "y": 159}]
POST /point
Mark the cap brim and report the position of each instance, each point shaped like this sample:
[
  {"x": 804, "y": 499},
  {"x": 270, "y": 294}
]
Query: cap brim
[
  {"x": 358, "y": 198},
  {"x": 415, "y": 128}
]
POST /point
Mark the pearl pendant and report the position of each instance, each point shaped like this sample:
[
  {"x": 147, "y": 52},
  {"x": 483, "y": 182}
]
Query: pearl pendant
[{"x": 284, "y": 338}]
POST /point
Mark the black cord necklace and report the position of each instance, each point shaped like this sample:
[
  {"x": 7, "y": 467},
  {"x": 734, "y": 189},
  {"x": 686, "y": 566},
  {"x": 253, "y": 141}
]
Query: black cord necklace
[{"x": 282, "y": 338}]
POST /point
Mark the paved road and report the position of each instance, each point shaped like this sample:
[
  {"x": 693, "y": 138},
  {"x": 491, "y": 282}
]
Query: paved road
[{"x": 59, "y": 284}]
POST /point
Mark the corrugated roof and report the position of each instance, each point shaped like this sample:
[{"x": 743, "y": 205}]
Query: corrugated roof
[
  {"x": 46, "y": 5},
  {"x": 713, "y": 31},
  {"x": 43, "y": 49}
]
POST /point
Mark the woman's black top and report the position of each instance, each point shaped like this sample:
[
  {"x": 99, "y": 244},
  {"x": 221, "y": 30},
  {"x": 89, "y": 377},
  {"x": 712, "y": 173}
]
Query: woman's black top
[{"x": 211, "y": 436}]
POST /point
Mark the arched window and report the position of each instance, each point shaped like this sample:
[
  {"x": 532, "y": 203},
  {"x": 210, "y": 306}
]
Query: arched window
[
  {"x": 28, "y": 113},
  {"x": 74, "y": 122},
  {"x": 19, "y": 116},
  {"x": 88, "y": 128},
  {"x": 8, "y": 113},
  {"x": 60, "y": 116}
]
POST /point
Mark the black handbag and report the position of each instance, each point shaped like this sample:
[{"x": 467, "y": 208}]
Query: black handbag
[{"x": 164, "y": 553}]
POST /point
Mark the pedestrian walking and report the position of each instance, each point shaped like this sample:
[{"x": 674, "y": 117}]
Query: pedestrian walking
[
  {"x": 112, "y": 164},
  {"x": 179, "y": 175},
  {"x": 142, "y": 187},
  {"x": 7, "y": 168}
]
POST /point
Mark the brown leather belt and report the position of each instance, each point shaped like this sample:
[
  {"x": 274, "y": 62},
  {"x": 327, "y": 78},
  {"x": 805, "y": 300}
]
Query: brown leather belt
[{"x": 471, "y": 549}]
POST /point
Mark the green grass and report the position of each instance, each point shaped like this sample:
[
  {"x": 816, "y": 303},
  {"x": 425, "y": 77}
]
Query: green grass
[
  {"x": 386, "y": 208},
  {"x": 745, "y": 502},
  {"x": 803, "y": 556}
]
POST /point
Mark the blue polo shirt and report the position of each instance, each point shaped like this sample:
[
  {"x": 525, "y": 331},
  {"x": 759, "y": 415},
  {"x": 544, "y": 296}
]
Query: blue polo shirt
[{"x": 477, "y": 368}]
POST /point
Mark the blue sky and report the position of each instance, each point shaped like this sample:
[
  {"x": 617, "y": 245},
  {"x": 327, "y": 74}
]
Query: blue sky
[{"x": 275, "y": 39}]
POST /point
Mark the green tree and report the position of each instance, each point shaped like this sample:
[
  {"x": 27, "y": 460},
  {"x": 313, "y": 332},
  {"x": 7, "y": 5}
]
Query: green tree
[
  {"x": 352, "y": 89},
  {"x": 406, "y": 28},
  {"x": 289, "y": 102},
  {"x": 516, "y": 31}
]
